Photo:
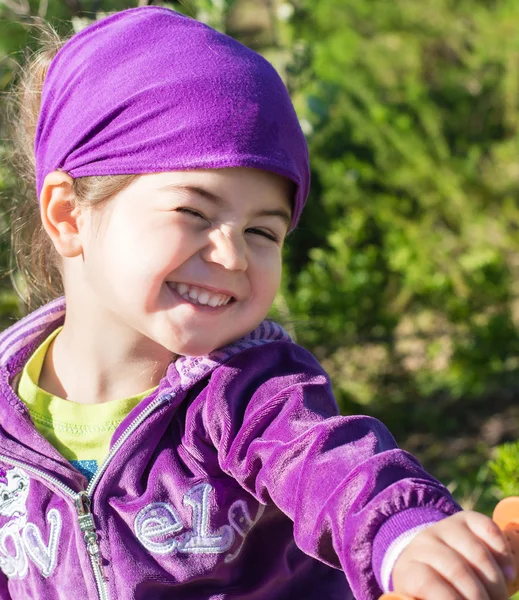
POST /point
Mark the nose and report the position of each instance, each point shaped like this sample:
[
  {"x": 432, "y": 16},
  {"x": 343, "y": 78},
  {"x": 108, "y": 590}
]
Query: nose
[{"x": 227, "y": 249}]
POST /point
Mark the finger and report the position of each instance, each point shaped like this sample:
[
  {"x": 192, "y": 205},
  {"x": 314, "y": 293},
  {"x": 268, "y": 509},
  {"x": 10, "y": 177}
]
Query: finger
[
  {"x": 483, "y": 562},
  {"x": 486, "y": 530},
  {"x": 455, "y": 569},
  {"x": 491, "y": 575},
  {"x": 422, "y": 582}
]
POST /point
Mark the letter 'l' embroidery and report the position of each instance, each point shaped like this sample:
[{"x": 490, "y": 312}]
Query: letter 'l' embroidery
[{"x": 200, "y": 540}]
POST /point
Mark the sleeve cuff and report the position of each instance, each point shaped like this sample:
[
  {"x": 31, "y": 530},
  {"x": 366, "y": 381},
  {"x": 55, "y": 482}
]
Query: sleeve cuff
[{"x": 394, "y": 536}]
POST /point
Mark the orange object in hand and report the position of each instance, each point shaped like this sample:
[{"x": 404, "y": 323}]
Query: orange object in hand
[{"x": 506, "y": 517}]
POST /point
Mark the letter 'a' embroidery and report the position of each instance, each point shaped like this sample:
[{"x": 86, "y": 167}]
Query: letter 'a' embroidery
[{"x": 20, "y": 540}]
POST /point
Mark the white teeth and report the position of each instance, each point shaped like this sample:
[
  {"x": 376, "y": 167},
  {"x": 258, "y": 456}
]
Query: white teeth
[
  {"x": 195, "y": 295},
  {"x": 203, "y": 297}
]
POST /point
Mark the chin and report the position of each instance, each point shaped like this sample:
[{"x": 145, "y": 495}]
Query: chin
[{"x": 196, "y": 349}]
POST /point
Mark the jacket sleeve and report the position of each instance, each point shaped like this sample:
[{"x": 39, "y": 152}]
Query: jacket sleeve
[{"x": 352, "y": 494}]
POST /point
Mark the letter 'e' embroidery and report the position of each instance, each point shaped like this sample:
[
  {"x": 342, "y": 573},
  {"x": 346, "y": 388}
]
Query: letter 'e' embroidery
[
  {"x": 21, "y": 540},
  {"x": 158, "y": 526}
]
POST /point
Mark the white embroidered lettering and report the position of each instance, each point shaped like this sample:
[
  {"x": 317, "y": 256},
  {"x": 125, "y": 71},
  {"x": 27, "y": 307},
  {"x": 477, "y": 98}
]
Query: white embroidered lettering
[
  {"x": 12, "y": 565},
  {"x": 24, "y": 538},
  {"x": 157, "y": 526},
  {"x": 154, "y": 526},
  {"x": 44, "y": 557},
  {"x": 200, "y": 540},
  {"x": 240, "y": 520}
]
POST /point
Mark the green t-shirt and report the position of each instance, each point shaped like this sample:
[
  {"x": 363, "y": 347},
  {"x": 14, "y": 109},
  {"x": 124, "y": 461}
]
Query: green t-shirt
[{"x": 80, "y": 432}]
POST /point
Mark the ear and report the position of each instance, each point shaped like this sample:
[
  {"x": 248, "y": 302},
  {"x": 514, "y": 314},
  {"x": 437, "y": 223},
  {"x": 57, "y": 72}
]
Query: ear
[{"x": 59, "y": 214}]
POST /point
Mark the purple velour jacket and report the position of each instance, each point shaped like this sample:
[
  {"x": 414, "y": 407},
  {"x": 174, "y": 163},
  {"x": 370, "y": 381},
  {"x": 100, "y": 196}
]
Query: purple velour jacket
[{"x": 237, "y": 479}]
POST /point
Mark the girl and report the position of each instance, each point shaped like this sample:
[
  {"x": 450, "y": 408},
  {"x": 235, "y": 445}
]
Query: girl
[{"x": 158, "y": 438}]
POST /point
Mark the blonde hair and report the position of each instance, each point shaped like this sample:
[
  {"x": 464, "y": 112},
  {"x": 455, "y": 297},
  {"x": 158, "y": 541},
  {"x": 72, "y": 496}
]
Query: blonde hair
[{"x": 33, "y": 256}]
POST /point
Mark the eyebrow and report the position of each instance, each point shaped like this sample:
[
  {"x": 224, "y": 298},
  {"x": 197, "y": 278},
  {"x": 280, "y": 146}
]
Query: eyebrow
[{"x": 284, "y": 215}]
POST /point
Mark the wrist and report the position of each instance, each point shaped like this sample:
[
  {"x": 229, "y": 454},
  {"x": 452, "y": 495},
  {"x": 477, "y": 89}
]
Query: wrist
[{"x": 394, "y": 536}]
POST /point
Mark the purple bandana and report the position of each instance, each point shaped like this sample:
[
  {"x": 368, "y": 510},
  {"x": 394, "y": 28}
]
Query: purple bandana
[{"x": 148, "y": 90}]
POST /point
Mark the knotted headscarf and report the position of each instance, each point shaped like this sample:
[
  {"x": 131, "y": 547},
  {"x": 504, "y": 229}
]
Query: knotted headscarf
[{"x": 149, "y": 90}]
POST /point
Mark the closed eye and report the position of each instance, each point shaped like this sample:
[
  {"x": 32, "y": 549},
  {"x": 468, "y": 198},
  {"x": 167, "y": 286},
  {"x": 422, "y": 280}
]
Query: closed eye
[
  {"x": 267, "y": 234},
  {"x": 191, "y": 211}
]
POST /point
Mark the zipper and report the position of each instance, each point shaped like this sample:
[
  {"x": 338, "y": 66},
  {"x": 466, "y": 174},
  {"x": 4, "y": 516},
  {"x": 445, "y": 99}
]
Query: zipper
[
  {"x": 83, "y": 500},
  {"x": 87, "y": 526},
  {"x": 124, "y": 436}
]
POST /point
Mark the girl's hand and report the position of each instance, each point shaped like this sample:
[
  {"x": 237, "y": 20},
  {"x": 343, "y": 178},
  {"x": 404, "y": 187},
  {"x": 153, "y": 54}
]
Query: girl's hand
[{"x": 463, "y": 557}]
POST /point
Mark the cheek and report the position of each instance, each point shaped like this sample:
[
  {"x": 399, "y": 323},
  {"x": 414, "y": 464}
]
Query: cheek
[
  {"x": 268, "y": 275},
  {"x": 140, "y": 252}
]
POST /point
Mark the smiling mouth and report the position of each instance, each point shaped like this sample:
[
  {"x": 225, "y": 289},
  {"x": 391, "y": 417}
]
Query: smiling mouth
[{"x": 197, "y": 295}]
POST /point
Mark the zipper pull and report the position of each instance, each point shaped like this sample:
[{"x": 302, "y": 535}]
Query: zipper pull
[
  {"x": 82, "y": 502},
  {"x": 87, "y": 526}
]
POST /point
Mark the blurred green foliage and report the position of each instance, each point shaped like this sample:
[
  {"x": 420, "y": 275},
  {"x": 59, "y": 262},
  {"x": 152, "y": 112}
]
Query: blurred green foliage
[
  {"x": 413, "y": 130},
  {"x": 403, "y": 275},
  {"x": 505, "y": 469}
]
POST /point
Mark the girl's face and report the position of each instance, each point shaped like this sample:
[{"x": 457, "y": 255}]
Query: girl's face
[{"x": 190, "y": 260}]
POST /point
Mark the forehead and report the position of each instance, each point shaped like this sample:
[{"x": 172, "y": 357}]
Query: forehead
[{"x": 225, "y": 185}]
